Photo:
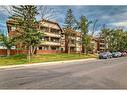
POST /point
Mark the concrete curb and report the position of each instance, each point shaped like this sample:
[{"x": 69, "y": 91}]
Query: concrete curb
[{"x": 46, "y": 63}]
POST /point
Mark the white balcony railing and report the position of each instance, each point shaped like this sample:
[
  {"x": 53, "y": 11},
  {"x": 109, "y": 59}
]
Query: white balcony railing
[
  {"x": 50, "y": 43},
  {"x": 52, "y": 34}
]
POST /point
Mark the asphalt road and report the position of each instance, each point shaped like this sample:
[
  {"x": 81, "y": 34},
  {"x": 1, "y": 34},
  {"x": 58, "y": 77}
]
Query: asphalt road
[{"x": 94, "y": 74}]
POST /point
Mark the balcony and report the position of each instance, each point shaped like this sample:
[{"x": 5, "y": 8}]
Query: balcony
[
  {"x": 52, "y": 34},
  {"x": 50, "y": 43},
  {"x": 71, "y": 37},
  {"x": 72, "y": 45}
]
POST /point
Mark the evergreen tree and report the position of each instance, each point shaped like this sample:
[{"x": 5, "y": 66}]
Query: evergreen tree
[
  {"x": 27, "y": 34},
  {"x": 83, "y": 25},
  {"x": 70, "y": 19},
  {"x": 69, "y": 25},
  {"x": 7, "y": 42}
]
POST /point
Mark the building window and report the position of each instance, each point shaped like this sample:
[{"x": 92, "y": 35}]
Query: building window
[
  {"x": 45, "y": 48},
  {"x": 55, "y": 40},
  {"x": 44, "y": 29},
  {"x": 45, "y": 38},
  {"x": 56, "y": 31},
  {"x": 13, "y": 28},
  {"x": 54, "y": 48},
  {"x": 40, "y": 48}
]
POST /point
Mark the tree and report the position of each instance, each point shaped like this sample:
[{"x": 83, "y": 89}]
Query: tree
[
  {"x": 83, "y": 25},
  {"x": 114, "y": 39},
  {"x": 69, "y": 25},
  {"x": 27, "y": 33},
  {"x": 46, "y": 12},
  {"x": 6, "y": 42},
  {"x": 69, "y": 20},
  {"x": 94, "y": 26},
  {"x": 105, "y": 34}
]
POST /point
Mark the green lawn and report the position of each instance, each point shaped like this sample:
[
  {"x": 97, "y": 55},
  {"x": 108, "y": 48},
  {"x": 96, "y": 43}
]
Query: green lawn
[{"x": 21, "y": 59}]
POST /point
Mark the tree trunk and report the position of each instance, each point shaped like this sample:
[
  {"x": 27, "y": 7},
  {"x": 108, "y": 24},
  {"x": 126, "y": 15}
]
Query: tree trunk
[
  {"x": 8, "y": 52},
  {"x": 33, "y": 50},
  {"x": 83, "y": 48},
  {"x": 69, "y": 48},
  {"x": 29, "y": 54}
]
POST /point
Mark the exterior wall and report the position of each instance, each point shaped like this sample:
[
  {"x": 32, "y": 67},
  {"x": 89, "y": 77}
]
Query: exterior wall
[
  {"x": 100, "y": 45},
  {"x": 72, "y": 40},
  {"x": 94, "y": 44},
  {"x": 78, "y": 44},
  {"x": 47, "y": 51},
  {"x": 52, "y": 37},
  {"x": 12, "y": 52},
  {"x": 63, "y": 42},
  {"x": 3, "y": 52}
]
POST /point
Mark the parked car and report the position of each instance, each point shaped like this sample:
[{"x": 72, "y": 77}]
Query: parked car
[
  {"x": 119, "y": 54},
  {"x": 124, "y": 53},
  {"x": 115, "y": 54},
  {"x": 105, "y": 55}
]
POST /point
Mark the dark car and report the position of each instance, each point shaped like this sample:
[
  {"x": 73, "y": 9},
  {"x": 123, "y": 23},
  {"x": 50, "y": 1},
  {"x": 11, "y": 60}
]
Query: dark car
[{"x": 105, "y": 55}]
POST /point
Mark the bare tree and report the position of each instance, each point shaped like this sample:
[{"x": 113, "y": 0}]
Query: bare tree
[
  {"x": 94, "y": 26},
  {"x": 46, "y": 13}
]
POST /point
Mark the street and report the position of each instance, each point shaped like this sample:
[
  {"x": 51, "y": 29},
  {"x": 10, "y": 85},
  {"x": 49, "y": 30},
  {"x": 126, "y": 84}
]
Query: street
[{"x": 92, "y": 74}]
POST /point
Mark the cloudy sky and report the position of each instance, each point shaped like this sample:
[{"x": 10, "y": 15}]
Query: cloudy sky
[{"x": 112, "y": 16}]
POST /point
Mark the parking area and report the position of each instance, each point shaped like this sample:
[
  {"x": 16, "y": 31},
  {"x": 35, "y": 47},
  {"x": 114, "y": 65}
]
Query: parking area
[{"x": 107, "y": 55}]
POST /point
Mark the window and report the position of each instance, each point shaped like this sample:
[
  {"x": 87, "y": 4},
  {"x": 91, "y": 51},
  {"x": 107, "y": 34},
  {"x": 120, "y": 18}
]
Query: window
[
  {"x": 46, "y": 38},
  {"x": 55, "y": 40},
  {"x": 40, "y": 48},
  {"x": 44, "y": 29},
  {"x": 56, "y": 31},
  {"x": 54, "y": 48},
  {"x": 13, "y": 28},
  {"x": 45, "y": 48}
]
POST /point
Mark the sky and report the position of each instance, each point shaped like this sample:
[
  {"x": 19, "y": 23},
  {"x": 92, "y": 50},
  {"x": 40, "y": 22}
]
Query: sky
[{"x": 111, "y": 16}]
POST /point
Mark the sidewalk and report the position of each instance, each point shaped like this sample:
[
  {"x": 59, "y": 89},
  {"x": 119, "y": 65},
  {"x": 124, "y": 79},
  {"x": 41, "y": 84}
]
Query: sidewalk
[{"x": 47, "y": 63}]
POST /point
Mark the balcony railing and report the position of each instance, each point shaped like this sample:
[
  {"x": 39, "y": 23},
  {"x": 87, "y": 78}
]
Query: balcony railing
[
  {"x": 50, "y": 43},
  {"x": 52, "y": 34}
]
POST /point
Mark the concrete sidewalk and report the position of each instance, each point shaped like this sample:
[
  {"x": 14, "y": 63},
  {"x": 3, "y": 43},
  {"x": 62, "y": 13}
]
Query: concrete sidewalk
[{"x": 47, "y": 63}]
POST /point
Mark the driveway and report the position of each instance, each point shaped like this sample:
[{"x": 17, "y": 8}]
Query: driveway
[{"x": 91, "y": 74}]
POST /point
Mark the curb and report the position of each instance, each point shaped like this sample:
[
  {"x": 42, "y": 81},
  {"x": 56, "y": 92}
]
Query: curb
[{"x": 46, "y": 63}]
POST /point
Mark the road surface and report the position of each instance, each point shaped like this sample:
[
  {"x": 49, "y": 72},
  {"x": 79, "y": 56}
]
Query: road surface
[{"x": 94, "y": 74}]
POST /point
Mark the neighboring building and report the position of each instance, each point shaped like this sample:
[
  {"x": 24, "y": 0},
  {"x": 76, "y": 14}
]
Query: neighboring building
[
  {"x": 78, "y": 42},
  {"x": 72, "y": 41},
  {"x": 100, "y": 44},
  {"x": 94, "y": 44}
]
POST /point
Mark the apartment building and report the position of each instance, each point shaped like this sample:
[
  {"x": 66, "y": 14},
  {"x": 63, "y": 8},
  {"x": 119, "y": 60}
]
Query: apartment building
[
  {"x": 52, "y": 41},
  {"x": 72, "y": 41},
  {"x": 56, "y": 39},
  {"x": 94, "y": 44},
  {"x": 100, "y": 44}
]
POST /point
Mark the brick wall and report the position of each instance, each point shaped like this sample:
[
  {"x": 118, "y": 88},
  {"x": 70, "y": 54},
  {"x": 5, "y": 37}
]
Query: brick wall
[
  {"x": 3, "y": 51},
  {"x": 47, "y": 51},
  {"x": 12, "y": 52}
]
